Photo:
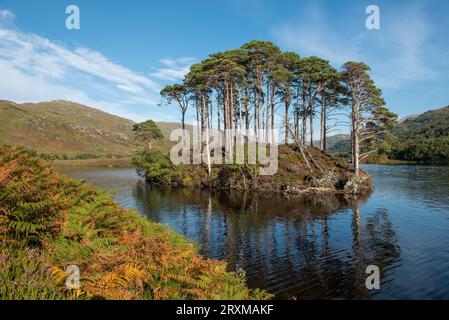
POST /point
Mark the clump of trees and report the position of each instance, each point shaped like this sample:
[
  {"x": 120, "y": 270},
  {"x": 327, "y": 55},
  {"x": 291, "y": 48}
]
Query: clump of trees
[
  {"x": 257, "y": 87},
  {"x": 147, "y": 131}
]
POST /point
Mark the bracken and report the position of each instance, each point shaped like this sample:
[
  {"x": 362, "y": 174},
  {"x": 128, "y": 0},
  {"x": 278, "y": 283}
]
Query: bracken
[{"x": 48, "y": 222}]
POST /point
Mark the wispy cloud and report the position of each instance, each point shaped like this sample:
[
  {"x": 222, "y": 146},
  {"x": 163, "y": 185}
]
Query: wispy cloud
[
  {"x": 6, "y": 15},
  {"x": 34, "y": 68},
  {"x": 397, "y": 52},
  {"x": 314, "y": 36},
  {"x": 405, "y": 46},
  {"x": 173, "y": 69}
]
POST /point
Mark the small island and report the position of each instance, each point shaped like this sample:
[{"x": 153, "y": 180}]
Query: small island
[
  {"x": 294, "y": 176},
  {"x": 255, "y": 91}
]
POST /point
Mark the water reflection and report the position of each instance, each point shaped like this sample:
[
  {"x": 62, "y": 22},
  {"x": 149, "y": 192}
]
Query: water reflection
[
  {"x": 313, "y": 247},
  {"x": 295, "y": 248}
]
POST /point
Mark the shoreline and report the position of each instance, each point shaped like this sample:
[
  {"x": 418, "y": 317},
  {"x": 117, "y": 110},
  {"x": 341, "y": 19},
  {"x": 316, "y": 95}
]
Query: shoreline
[
  {"x": 125, "y": 255},
  {"x": 125, "y": 162}
]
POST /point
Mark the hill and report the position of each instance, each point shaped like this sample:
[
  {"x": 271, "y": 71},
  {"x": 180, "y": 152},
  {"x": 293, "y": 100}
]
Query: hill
[
  {"x": 66, "y": 129},
  {"x": 339, "y": 144},
  {"x": 333, "y": 141},
  {"x": 168, "y": 127},
  {"x": 431, "y": 124},
  {"x": 422, "y": 138}
]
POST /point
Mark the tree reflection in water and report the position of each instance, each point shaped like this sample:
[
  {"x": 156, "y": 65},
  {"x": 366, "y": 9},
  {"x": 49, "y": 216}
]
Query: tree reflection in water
[{"x": 308, "y": 247}]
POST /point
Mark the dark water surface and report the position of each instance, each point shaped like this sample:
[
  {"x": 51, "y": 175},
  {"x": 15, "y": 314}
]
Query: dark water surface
[{"x": 313, "y": 247}]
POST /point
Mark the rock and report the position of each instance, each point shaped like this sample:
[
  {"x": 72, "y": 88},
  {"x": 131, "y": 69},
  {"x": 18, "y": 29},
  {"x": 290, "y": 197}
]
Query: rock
[{"x": 358, "y": 184}]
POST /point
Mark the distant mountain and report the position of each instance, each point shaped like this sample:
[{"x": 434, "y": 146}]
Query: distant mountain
[
  {"x": 409, "y": 117},
  {"x": 333, "y": 140},
  {"x": 66, "y": 129},
  {"x": 168, "y": 127},
  {"x": 338, "y": 143}
]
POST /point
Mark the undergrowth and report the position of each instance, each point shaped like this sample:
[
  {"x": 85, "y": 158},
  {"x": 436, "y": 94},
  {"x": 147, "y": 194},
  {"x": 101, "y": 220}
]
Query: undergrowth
[{"x": 49, "y": 222}]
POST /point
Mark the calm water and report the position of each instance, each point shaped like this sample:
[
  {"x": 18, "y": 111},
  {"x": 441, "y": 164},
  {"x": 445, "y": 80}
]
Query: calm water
[{"x": 313, "y": 247}]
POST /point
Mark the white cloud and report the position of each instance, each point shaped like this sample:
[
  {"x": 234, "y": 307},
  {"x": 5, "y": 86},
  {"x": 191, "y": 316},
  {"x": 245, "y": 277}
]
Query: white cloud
[
  {"x": 314, "y": 36},
  {"x": 35, "y": 69},
  {"x": 174, "y": 69},
  {"x": 397, "y": 52},
  {"x": 406, "y": 46},
  {"x": 6, "y": 15}
]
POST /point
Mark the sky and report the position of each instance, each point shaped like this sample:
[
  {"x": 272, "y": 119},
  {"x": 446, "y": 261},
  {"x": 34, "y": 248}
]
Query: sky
[{"x": 126, "y": 51}]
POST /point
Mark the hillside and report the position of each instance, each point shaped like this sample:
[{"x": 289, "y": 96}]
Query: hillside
[
  {"x": 66, "y": 129},
  {"x": 332, "y": 142},
  {"x": 431, "y": 124},
  {"x": 168, "y": 127},
  {"x": 422, "y": 138}
]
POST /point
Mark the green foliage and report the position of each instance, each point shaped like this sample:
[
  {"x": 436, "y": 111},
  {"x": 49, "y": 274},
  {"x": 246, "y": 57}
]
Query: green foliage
[
  {"x": 155, "y": 167},
  {"x": 48, "y": 222},
  {"x": 147, "y": 131},
  {"x": 422, "y": 149},
  {"x": 422, "y": 138},
  {"x": 24, "y": 276}
]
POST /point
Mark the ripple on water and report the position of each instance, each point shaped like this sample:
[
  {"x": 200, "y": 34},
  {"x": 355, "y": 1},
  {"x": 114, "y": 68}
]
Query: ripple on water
[{"x": 313, "y": 247}]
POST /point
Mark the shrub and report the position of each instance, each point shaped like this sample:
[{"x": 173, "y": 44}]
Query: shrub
[
  {"x": 48, "y": 222},
  {"x": 156, "y": 167}
]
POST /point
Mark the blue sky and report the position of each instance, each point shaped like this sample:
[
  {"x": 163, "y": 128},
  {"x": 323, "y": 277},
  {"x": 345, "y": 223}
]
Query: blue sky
[{"x": 126, "y": 51}]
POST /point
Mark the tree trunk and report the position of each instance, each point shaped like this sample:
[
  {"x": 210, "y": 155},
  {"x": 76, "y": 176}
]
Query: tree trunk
[
  {"x": 205, "y": 108},
  {"x": 218, "y": 113},
  {"x": 296, "y": 112},
  {"x": 232, "y": 116},
  {"x": 247, "y": 115},
  {"x": 356, "y": 139},
  {"x": 272, "y": 114},
  {"x": 287, "y": 106},
  {"x": 183, "y": 116},
  {"x": 311, "y": 123},
  {"x": 255, "y": 114},
  {"x": 323, "y": 122},
  {"x": 260, "y": 106},
  {"x": 304, "y": 117},
  {"x": 267, "y": 112}
]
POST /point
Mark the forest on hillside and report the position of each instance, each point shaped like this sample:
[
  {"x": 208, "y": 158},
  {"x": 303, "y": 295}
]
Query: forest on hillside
[{"x": 422, "y": 138}]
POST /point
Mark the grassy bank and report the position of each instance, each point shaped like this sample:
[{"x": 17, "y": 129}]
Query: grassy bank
[
  {"x": 97, "y": 163},
  {"x": 49, "y": 222},
  {"x": 383, "y": 159}
]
